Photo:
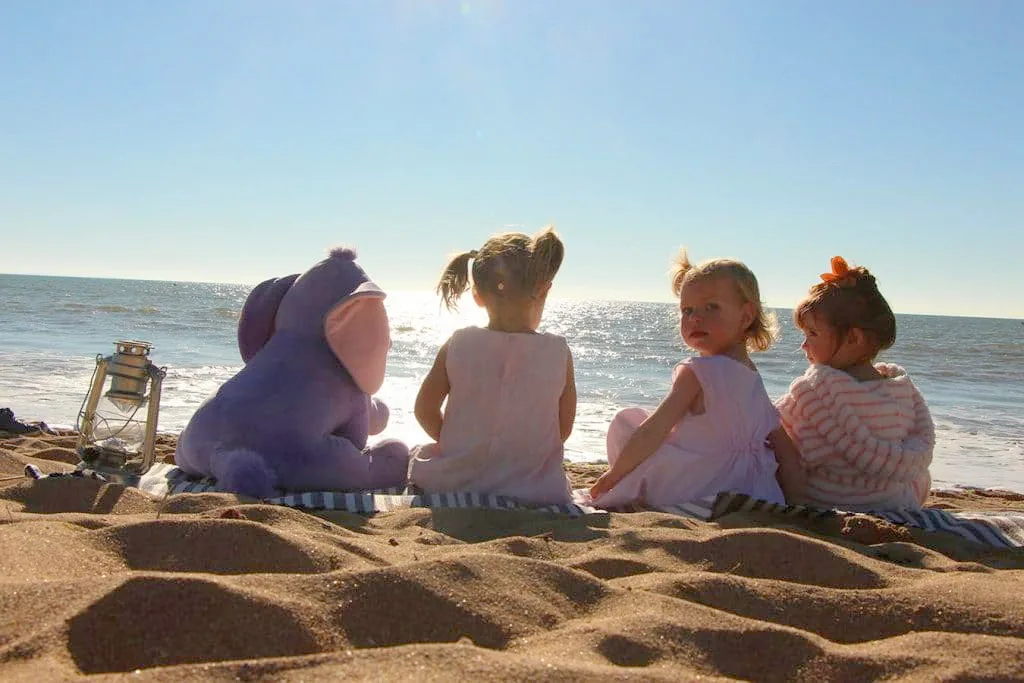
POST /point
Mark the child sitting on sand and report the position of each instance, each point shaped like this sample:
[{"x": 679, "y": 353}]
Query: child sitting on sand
[
  {"x": 511, "y": 391},
  {"x": 864, "y": 434},
  {"x": 708, "y": 435}
]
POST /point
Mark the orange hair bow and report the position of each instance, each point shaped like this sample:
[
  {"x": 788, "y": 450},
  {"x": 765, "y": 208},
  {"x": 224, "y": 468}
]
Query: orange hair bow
[{"x": 840, "y": 271}]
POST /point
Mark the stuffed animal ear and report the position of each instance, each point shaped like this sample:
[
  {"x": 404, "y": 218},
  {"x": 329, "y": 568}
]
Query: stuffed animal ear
[
  {"x": 358, "y": 333},
  {"x": 256, "y": 323}
]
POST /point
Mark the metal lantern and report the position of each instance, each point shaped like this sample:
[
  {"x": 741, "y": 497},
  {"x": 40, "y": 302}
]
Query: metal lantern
[{"x": 112, "y": 433}]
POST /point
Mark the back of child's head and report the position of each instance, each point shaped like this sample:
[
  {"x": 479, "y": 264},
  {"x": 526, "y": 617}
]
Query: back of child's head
[
  {"x": 763, "y": 329},
  {"x": 848, "y": 298},
  {"x": 510, "y": 265}
]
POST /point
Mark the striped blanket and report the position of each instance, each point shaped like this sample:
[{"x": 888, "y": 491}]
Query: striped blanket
[{"x": 1003, "y": 529}]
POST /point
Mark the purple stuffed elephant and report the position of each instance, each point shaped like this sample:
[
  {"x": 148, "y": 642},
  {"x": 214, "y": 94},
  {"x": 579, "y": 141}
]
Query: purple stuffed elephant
[{"x": 297, "y": 416}]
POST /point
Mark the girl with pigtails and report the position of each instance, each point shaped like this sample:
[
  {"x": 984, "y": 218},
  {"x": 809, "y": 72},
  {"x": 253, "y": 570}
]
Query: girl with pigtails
[{"x": 510, "y": 390}]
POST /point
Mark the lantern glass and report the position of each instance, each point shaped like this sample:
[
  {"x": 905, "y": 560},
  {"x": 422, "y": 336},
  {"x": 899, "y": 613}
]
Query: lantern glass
[{"x": 117, "y": 429}]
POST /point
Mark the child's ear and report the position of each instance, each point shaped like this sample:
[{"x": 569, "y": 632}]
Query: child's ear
[
  {"x": 749, "y": 315},
  {"x": 542, "y": 290},
  {"x": 477, "y": 298},
  {"x": 857, "y": 337}
]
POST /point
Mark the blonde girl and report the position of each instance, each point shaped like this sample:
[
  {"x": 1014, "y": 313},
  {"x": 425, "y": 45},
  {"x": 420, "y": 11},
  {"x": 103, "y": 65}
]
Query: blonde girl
[
  {"x": 510, "y": 390},
  {"x": 708, "y": 434}
]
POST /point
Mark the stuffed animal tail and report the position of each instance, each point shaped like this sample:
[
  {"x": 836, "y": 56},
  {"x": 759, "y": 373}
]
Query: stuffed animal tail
[{"x": 244, "y": 471}]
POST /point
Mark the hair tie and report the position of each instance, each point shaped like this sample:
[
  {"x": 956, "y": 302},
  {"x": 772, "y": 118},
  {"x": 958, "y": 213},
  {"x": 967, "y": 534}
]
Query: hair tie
[
  {"x": 840, "y": 274},
  {"x": 473, "y": 253}
]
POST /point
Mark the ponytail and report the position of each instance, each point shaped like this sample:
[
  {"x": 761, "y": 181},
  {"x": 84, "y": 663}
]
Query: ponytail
[
  {"x": 546, "y": 254},
  {"x": 455, "y": 279},
  {"x": 680, "y": 267}
]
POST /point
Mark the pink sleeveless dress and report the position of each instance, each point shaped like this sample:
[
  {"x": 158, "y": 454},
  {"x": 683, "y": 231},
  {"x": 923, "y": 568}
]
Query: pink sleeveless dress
[
  {"x": 500, "y": 432},
  {"x": 722, "y": 449}
]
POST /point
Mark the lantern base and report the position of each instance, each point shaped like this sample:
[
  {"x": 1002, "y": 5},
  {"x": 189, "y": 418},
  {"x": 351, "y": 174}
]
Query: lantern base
[{"x": 99, "y": 458}]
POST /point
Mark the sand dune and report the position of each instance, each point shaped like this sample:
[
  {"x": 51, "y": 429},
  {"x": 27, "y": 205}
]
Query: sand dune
[{"x": 99, "y": 579}]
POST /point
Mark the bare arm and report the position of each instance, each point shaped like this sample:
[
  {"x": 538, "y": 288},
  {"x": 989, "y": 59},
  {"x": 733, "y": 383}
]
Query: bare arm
[
  {"x": 792, "y": 476},
  {"x": 431, "y": 396},
  {"x": 567, "y": 402},
  {"x": 653, "y": 431}
]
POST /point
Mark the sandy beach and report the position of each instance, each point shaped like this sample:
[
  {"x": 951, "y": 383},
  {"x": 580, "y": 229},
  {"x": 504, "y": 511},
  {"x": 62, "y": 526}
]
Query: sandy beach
[{"x": 100, "y": 579}]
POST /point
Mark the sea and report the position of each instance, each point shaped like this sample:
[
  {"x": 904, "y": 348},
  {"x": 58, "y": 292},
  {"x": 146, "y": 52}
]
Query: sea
[{"x": 970, "y": 370}]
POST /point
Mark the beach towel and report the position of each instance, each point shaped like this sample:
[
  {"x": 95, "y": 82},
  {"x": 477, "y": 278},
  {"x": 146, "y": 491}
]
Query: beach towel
[{"x": 1002, "y": 529}]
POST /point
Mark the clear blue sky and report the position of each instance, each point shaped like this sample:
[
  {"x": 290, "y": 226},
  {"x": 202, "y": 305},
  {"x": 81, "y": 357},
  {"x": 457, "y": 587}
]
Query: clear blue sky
[{"x": 237, "y": 140}]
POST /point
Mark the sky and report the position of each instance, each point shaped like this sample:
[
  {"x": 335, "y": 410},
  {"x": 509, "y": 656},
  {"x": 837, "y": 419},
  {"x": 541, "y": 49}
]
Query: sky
[{"x": 237, "y": 140}]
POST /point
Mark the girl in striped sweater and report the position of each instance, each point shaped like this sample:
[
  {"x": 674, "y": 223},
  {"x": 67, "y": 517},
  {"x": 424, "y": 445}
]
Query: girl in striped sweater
[{"x": 864, "y": 434}]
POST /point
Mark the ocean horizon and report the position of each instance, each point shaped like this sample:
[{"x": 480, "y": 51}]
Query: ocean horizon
[
  {"x": 431, "y": 293},
  {"x": 969, "y": 369}
]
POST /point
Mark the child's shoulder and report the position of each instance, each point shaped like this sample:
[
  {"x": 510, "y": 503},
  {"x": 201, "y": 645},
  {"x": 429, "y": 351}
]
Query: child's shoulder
[
  {"x": 826, "y": 374},
  {"x": 824, "y": 379},
  {"x": 716, "y": 362},
  {"x": 892, "y": 371},
  {"x": 553, "y": 338},
  {"x": 717, "y": 369},
  {"x": 475, "y": 334},
  {"x": 819, "y": 379},
  {"x": 554, "y": 344}
]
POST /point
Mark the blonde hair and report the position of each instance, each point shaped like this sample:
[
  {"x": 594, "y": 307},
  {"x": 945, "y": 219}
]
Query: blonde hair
[
  {"x": 510, "y": 265},
  {"x": 764, "y": 328},
  {"x": 851, "y": 300}
]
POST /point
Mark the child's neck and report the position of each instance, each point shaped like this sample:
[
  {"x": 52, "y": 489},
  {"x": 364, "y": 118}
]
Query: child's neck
[
  {"x": 863, "y": 371},
  {"x": 515, "y": 320},
  {"x": 739, "y": 354}
]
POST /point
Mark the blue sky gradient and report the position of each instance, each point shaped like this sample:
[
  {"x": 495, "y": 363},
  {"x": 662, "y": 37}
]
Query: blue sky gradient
[{"x": 233, "y": 141}]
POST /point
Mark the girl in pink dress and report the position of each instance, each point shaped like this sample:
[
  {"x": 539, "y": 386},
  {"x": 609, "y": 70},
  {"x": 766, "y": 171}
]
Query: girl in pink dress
[
  {"x": 864, "y": 433},
  {"x": 708, "y": 434},
  {"x": 510, "y": 390}
]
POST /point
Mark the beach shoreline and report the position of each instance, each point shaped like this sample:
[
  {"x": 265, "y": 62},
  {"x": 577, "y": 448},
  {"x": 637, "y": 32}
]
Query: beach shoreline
[{"x": 96, "y": 578}]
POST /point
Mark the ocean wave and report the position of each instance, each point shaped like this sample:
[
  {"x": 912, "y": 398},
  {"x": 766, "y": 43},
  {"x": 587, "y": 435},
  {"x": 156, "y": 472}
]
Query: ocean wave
[{"x": 102, "y": 308}]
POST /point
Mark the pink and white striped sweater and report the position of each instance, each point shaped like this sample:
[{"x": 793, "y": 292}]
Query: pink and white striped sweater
[{"x": 864, "y": 445}]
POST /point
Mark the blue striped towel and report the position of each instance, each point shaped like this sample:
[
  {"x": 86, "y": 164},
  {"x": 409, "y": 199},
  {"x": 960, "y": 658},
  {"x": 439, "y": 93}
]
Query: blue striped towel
[{"x": 1002, "y": 529}]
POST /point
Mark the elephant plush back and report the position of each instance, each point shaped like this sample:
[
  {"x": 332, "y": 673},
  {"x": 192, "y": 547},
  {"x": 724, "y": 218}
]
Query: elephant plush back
[{"x": 297, "y": 415}]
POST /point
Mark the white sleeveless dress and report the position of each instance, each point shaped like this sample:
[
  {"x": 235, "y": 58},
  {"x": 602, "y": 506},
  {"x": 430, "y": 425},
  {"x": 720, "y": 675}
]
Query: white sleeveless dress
[{"x": 500, "y": 432}]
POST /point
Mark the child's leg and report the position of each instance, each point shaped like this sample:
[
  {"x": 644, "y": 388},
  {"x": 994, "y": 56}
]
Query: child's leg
[
  {"x": 622, "y": 427},
  {"x": 389, "y": 464}
]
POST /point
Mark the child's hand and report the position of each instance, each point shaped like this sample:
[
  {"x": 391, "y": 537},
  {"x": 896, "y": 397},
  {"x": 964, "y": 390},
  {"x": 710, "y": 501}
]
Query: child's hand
[{"x": 603, "y": 484}]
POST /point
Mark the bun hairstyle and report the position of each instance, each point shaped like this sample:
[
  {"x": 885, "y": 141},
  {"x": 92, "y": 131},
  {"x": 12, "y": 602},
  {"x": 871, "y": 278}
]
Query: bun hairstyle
[
  {"x": 510, "y": 265},
  {"x": 763, "y": 330},
  {"x": 848, "y": 298}
]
